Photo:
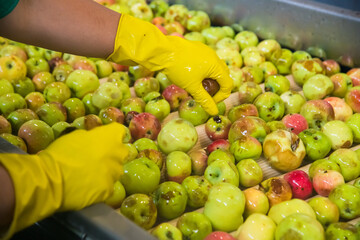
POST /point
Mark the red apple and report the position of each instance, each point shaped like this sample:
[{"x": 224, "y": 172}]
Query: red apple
[
  {"x": 219, "y": 235},
  {"x": 218, "y": 127},
  {"x": 331, "y": 67},
  {"x": 198, "y": 161},
  {"x": 174, "y": 95},
  {"x": 162, "y": 29},
  {"x": 295, "y": 122},
  {"x": 218, "y": 144},
  {"x": 119, "y": 68},
  {"x": 144, "y": 125},
  {"x": 342, "y": 110},
  {"x": 300, "y": 184},
  {"x": 352, "y": 98},
  {"x": 327, "y": 180},
  {"x": 355, "y": 76}
]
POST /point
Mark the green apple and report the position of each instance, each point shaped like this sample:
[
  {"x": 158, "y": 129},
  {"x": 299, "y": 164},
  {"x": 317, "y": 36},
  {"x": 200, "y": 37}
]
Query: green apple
[
  {"x": 246, "y": 39},
  {"x": 107, "y": 95},
  {"x": 57, "y": 92},
  {"x": 192, "y": 111},
  {"x": 282, "y": 59},
  {"x": 41, "y": 80},
  {"x": 227, "y": 43},
  {"x": 354, "y": 124},
  {"x": 143, "y": 86},
  {"x": 281, "y": 210},
  {"x": 348, "y": 161},
  {"x": 87, "y": 122},
  {"x": 213, "y": 35},
  {"x": 5, "y": 87},
  {"x": 268, "y": 68},
  {"x": 267, "y": 47},
  {"x": 194, "y": 226},
  {"x": 270, "y": 106},
  {"x": 341, "y": 230},
  {"x": 255, "y": 202},
  {"x": 220, "y": 154},
  {"x": 301, "y": 55},
  {"x": 347, "y": 199},
  {"x": 52, "y": 113},
  {"x": 317, "y": 87},
  {"x": 326, "y": 211},
  {"x": 230, "y": 56},
  {"x": 248, "y": 91},
  {"x": 5, "y": 125},
  {"x": 14, "y": 140},
  {"x": 133, "y": 104},
  {"x": 19, "y": 117},
  {"x": 12, "y": 68},
  {"x": 303, "y": 69},
  {"x": 132, "y": 152},
  {"x": 34, "y": 51},
  {"x": 82, "y": 82},
  {"x": 75, "y": 108},
  {"x": 317, "y": 113},
  {"x": 197, "y": 188},
  {"x": 119, "y": 76},
  {"x": 35, "y": 65},
  {"x": 11, "y": 102},
  {"x": 34, "y": 100},
  {"x": 195, "y": 36},
  {"x": 253, "y": 74},
  {"x": 166, "y": 231},
  {"x": 140, "y": 209},
  {"x": 321, "y": 165},
  {"x": 246, "y": 147},
  {"x": 145, "y": 143},
  {"x": 50, "y": 54},
  {"x": 61, "y": 128},
  {"x": 250, "y": 173},
  {"x": 257, "y": 226},
  {"x": 277, "y": 84},
  {"x": 225, "y": 207},
  {"x": 293, "y": 101},
  {"x": 117, "y": 197},
  {"x": 178, "y": 166},
  {"x": 140, "y": 176},
  {"x": 248, "y": 125},
  {"x": 339, "y": 133},
  {"x": 158, "y": 107},
  {"x": 222, "y": 171},
  {"x": 275, "y": 125},
  {"x": 103, "y": 68},
  {"x": 90, "y": 108},
  {"x": 300, "y": 226},
  {"x": 24, "y": 86},
  {"x": 317, "y": 144},
  {"x": 61, "y": 72},
  {"x": 170, "y": 199}
]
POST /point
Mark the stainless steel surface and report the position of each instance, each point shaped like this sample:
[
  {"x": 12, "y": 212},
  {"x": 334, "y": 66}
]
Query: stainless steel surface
[
  {"x": 295, "y": 24},
  {"x": 6, "y": 147}
]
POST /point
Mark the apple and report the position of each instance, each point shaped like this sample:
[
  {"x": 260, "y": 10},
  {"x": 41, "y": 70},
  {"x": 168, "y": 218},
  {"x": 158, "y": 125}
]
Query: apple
[
  {"x": 230, "y": 56},
  {"x": 56, "y": 92},
  {"x": 61, "y": 72},
  {"x": 151, "y": 96},
  {"x": 221, "y": 171},
  {"x": 317, "y": 144},
  {"x": 253, "y": 74},
  {"x": 144, "y": 125},
  {"x": 61, "y": 128},
  {"x": 36, "y": 65},
  {"x": 342, "y": 110},
  {"x": 220, "y": 154},
  {"x": 133, "y": 104},
  {"x": 197, "y": 188},
  {"x": 304, "y": 69},
  {"x": 296, "y": 123},
  {"x": 347, "y": 199},
  {"x": 192, "y": 111},
  {"x": 317, "y": 113},
  {"x": 52, "y": 113},
  {"x": 268, "y": 68},
  {"x": 275, "y": 125},
  {"x": 111, "y": 114},
  {"x": 14, "y": 140},
  {"x": 103, "y": 68},
  {"x": 143, "y": 86},
  {"x": 250, "y": 173},
  {"x": 34, "y": 100},
  {"x": 267, "y": 47},
  {"x": 24, "y": 86},
  {"x": 339, "y": 134},
  {"x": 197, "y": 21},
  {"x": 164, "y": 230},
  {"x": 352, "y": 98},
  {"x": 36, "y": 134},
  {"x": 152, "y": 154},
  {"x": 249, "y": 49},
  {"x": 282, "y": 59},
  {"x": 246, "y": 39},
  {"x": 327, "y": 180},
  {"x": 84, "y": 64},
  {"x": 19, "y": 117},
  {"x": 227, "y": 42},
  {"x": 177, "y": 135},
  {"x": 348, "y": 161},
  {"x": 322, "y": 165},
  {"x": 249, "y": 125},
  {"x": 219, "y": 235},
  {"x": 138, "y": 71},
  {"x": 237, "y": 75},
  {"x": 174, "y": 95},
  {"x": 177, "y": 12},
  {"x": 158, "y": 107},
  {"x": 354, "y": 123},
  {"x": 107, "y": 94},
  {"x": 195, "y": 36},
  {"x": 218, "y": 144},
  {"x": 13, "y": 50},
  {"x": 301, "y": 226},
  {"x": 90, "y": 108},
  {"x": 198, "y": 161},
  {"x": 277, "y": 84},
  {"x": 5, "y": 125},
  {"x": 341, "y": 230},
  {"x": 5, "y": 87},
  {"x": 283, "y": 150},
  {"x": 246, "y": 147},
  {"x": 293, "y": 101},
  {"x": 54, "y": 62},
  {"x": 159, "y": 7},
  {"x": 242, "y": 110},
  {"x": 87, "y": 122},
  {"x": 354, "y": 74},
  {"x": 170, "y": 199},
  {"x": 248, "y": 91},
  {"x": 300, "y": 184},
  {"x": 342, "y": 83},
  {"x": 317, "y": 87},
  {"x": 141, "y": 175},
  {"x": 140, "y": 209},
  {"x": 82, "y": 82},
  {"x": 34, "y": 51},
  {"x": 11, "y": 102},
  {"x": 12, "y": 68},
  {"x": 41, "y": 80},
  {"x": 255, "y": 202},
  {"x": 326, "y": 211},
  {"x": 119, "y": 76},
  {"x": 277, "y": 190},
  {"x": 145, "y": 143},
  {"x": 270, "y": 106},
  {"x": 117, "y": 197},
  {"x": 178, "y": 166},
  {"x": 194, "y": 225},
  {"x": 217, "y": 127},
  {"x": 332, "y": 67},
  {"x": 257, "y": 226}
]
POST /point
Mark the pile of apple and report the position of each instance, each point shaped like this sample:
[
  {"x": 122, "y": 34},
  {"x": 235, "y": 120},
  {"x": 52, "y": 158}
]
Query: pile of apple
[{"x": 281, "y": 158}]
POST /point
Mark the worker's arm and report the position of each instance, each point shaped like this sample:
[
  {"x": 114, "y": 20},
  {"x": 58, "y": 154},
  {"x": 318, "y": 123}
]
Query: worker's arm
[
  {"x": 7, "y": 199},
  {"x": 81, "y": 27}
]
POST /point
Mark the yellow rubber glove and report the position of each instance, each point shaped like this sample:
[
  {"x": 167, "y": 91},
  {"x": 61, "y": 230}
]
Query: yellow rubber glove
[
  {"x": 75, "y": 171},
  {"x": 186, "y": 63}
]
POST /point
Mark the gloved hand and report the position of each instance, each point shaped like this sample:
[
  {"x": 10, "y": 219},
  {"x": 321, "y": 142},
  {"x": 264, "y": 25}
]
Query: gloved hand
[
  {"x": 75, "y": 171},
  {"x": 186, "y": 63}
]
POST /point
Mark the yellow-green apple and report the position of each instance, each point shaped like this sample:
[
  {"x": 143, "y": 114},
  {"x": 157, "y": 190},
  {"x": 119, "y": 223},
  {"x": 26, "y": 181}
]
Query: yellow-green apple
[
  {"x": 24, "y": 86},
  {"x": 56, "y": 92},
  {"x": 342, "y": 83},
  {"x": 61, "y": 72},
  {"x": 138, "y": 71},
  {"x": 5, "y": 125},
  {"x": 300, "y": 226},
  {"x": 36, "y": 65},
  {"x": 178, "y": 166},
  {"x": 257, "y": 226},
  {"x": 253, "y": 74},
  {"x": 248, "y": 91},
  {"x": 90, "y": 108},
  {"x": 237, "y": 75},
  {"x": 36, "y": 134},
  {"x": 354, "y": 74},
  {"x": 197, "y": 188},
  {"x": 111, "y": 114},
  {"x": 268, "y": 68},
  {"x": 144, "y": 125},
  {"x": 197, "y": 21},
  {"x": 293, "y": 101},
  {"x": 317, "y": 87},
  {"x": 282, "y": 59},
  {"x": 177, "y": 135},
  {"x": 218, "y": 144},
  {"x": 159, "y": 107},
  {"x": 163, "y": 80},
  {"x": 133, "y": 104},
  {"x": 19, "y": 117},
  {"x": 325, "y": 181},
  {"x": 339, "y": 134},
  {"x": 275, "y": 125},
  {"x": 51, "y": 54},
  {"x": 140, "y": 209},
  {"x": 145, "y": 143},
  {"x": 341, "y": 230},
  {"x": 103, "y": 68},
  {"x": 225, "y": 206},
  {"x": 117, "y": 197},
  {"x": 277, "y": 189},
  {"x": 332, "y": 67},
  {"x": 317, "y": 113},
  {"x": 220, "y": 154},
  {"x": 267, "y": 47},
  {"x": 5, "y": 87},
  {"x": 322, "y": 165},
  {"x": 242, "y": 110},
  {"x": 152, "y": 154},
  {"x": 87, "y": 122},
  {"x": 255, "y": 202},
  {"x": 194, "y": 225},
  {"x": 52, "y": 113},
  {"x": 170, "y": 199},
  {"x": 85, "y": 64},
  {"x": 13, "y": 50},
  {"x": 301, "y": 55},
  {"x": 254, "y": 59},
  {"x": 41, "y": 80},
  {"x": 277, "y": 84},
  {"x": 195, "y": 36},
  {"x": 246, "y": 39},
  {"x": 348, "y": 161},
  {"x": 303, "y": 69},
  {"x": 222, "y": 171},
  {"x": 164, "y": 230},
  {"x": 10, "y": 102},
  {"x": 249, "y": 125},
  {"x": 270, "y": 106},
  {"x": 347, "y": 199},
  {"x": 250, "y": 173},
  {"x": 177, "y": 12},
  {"x": 192, "y": 111},
  {"x": 198, "y": 161},
  {"x": 352, "y": 98},
  {"x": 227, "y": 42},
  {"x": 217, "y": 127},
  {"x": 12, "y": 68},
  {"x": 133, "y": 152},
  {"x": 284, "y": 150},
  {"x": 295, "y": 122},
  {"x": 342, "y": 110},
  {"x": 14, "y": 140},
  {"x": 249, "y": 49},
  {"x": 34, "y": 51},
  {"x": 61, "y": 128},
  {"x": 174, "y": 95},
  {"x": 300, "y": 184},
  {"x": 174, "y": 29},
  {"x": 213, "y": 35},
  {"x": 107, "y": 94},
  {"x": 34, "y": 100},
  {"x": 354, "y": 123},
  {"x": 119, "y": 76},
  {"x": 246, "y": 147},
  {"x": 317, "y": 144},
  {"x": 325, "y": 210},
  {"x": 143, "y": 86},
  {"x": 159, "y": 7},
  {"x": 82, "y": 82}
]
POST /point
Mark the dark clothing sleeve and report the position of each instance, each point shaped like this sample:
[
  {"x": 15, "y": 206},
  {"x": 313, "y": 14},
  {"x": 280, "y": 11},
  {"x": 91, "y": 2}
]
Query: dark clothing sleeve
[{"x": 6, "y": 6}]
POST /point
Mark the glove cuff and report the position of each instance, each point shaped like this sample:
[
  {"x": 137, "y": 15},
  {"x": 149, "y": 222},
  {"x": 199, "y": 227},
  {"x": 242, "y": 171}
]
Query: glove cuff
[{"x": 38, "y": 189}]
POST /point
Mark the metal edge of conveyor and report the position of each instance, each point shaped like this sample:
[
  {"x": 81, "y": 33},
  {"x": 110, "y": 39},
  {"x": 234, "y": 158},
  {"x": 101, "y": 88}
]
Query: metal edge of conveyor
[
  {"x": 98, "y": 221},
  {"x": 296, "y": 24}
]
